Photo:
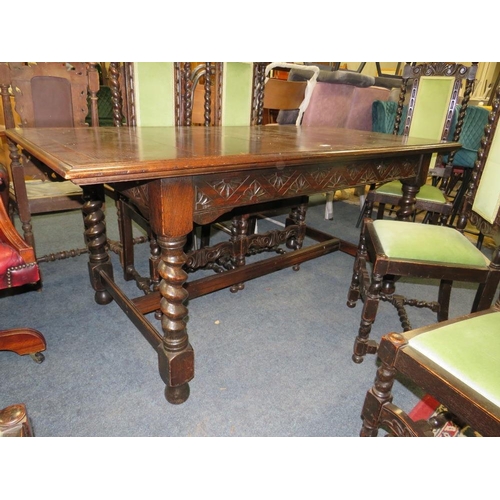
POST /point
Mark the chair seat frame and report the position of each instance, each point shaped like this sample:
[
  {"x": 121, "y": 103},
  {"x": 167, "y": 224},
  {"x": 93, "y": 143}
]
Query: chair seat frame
[
  {"x": 398, "y": 357},
  {"x": 379, "y": 286}
]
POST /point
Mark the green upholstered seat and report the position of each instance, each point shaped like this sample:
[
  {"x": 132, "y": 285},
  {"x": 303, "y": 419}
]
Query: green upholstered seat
[
  {"x": 427, "y": 192},
  {"x": 428, "y": 243},
  {"x": 469, "y": 350}
]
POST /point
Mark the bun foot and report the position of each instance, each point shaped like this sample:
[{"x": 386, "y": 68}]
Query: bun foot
[
  {"x": 357, "y": 359},
  {"x": 103, "y": 297},
  {"x": 177, "y": 395}
]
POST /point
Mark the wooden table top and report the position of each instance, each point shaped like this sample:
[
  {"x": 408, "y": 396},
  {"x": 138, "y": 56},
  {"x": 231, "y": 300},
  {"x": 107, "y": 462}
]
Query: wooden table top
[{"x": 91, "y": 155}]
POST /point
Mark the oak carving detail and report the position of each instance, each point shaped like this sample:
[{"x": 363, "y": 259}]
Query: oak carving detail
[
  {"x": 214, "y": 195},
  {"x": 266, "y": 185}
]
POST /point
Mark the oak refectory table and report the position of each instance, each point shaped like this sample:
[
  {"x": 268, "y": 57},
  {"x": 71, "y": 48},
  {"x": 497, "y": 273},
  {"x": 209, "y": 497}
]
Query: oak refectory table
[{"x": 189, "y": 175}]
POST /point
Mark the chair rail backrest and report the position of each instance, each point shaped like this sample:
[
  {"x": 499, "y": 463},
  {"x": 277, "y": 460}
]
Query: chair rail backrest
[
  {"x": 283, "y": 94},
  {"x": 48, "y": 94}
]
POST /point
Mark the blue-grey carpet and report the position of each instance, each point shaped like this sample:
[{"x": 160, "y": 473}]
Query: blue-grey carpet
[{"x": 271, "y": 360}]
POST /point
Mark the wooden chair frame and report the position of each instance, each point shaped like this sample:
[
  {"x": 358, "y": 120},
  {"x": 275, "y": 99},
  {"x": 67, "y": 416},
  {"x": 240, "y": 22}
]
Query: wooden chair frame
[
  {"x": 438, "y": 212},
  {"x": 380, "y": 283},
  {"x": 38, "y": 106},
  {"x": 399, "y": 358},
  {"x": 286, "y": 95}
]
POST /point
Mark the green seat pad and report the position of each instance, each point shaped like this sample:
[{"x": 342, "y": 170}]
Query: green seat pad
[
  {"x": 469, "y": 350},
  {"x": 426, "y": 193},
  {"x": 427, "y": 243}
]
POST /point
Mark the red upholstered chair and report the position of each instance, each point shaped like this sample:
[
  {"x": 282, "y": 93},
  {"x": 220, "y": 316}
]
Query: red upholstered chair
[{"x": 18, "y": 267}]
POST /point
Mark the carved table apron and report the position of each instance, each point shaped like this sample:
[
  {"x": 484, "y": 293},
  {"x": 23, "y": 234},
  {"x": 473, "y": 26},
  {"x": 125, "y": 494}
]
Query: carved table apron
[{"x": 195, "y": 174}]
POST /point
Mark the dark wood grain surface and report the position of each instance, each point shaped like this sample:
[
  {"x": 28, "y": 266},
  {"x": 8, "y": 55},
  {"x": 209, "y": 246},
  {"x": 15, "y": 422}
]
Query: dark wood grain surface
[{"x": 108, "y": 154}]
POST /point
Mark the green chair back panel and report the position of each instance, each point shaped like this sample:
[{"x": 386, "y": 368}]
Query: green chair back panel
[
  {"x": 154, "y": 94},
  {"x": 237, "y": 87},
  {"x": 487, "y": 199},
  {"x": 431, "y": 108},
  {"x": 469, "y": 350}
]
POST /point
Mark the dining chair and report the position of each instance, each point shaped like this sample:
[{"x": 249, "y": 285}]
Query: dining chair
[
  {"x": 455, "y": 362},
  {"x": 282, "y": 94},
  {"x": 18, "y": 268},
  {"x": 452, "y": 179},
  {"x": 432, "y": 93},
  {"x": 46, "y": 94},
  {"x": 458, "y": 178},
  {"x": 398, "y": 249}
]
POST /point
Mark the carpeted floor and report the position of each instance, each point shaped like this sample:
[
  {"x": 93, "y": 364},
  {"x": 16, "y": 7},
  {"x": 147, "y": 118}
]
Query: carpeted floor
[{"x": 271, "y": 360}]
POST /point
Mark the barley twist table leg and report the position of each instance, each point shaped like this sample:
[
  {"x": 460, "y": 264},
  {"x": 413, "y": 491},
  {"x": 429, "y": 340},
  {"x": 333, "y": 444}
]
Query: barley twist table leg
[
  {"x": 96, "y": 240},
  {"x": 176, "y": 357}
]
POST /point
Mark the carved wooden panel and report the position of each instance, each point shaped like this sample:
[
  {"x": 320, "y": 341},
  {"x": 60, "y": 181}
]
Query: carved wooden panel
[{"x": 215, "y": 195}]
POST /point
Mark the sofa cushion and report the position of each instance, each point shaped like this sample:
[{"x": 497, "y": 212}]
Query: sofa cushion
[
  {"x": 338, "y": 78},
  {"x": 344, "y": 106}
]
